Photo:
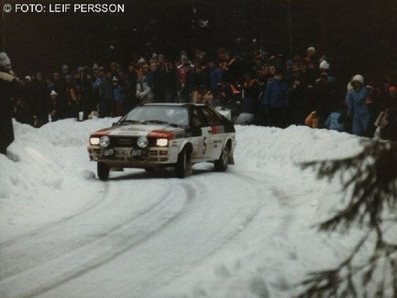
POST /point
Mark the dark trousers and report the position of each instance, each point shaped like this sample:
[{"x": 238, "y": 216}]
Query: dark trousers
[
  {"x": 104, "y": 108},
  {"x": 6, "y": 133},
  {"x": 276, "y": 117}
]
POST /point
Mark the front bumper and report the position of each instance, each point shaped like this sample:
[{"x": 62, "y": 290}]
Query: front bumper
[{"x": 134, "y": 157}]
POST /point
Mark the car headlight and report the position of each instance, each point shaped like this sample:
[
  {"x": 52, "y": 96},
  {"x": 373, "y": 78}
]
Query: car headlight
[
  {"x": 94, "y": 141},
  {"x": 142, "y": 142},
  {"x": 104, "y": 141},
  {"x": 162, "y": 142}
]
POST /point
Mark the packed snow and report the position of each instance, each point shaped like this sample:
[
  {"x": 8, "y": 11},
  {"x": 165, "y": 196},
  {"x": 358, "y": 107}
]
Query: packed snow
[{"x": 249, "y": 232}]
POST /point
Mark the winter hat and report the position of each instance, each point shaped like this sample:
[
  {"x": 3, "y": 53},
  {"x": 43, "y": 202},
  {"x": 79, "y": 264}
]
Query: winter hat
[
  {"x": 324, "y": 65},
  {"x": 28, "y": 78},
  {"x": 115, "y": 79},
  {"x": 358, "y": 78},
  {"x": 142, "y": 60},
  {"x": 313, "y": 49},
  {"x": 5, "y": 62},
  {"x": 95, "y": 66},
  {"x": 53, "y": 93}
]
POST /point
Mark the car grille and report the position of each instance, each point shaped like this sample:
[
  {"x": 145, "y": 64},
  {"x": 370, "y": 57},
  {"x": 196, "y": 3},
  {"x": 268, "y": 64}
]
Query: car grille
[
  {"x": 128, "y": 142},
  {"x": 123, "y": 141}
]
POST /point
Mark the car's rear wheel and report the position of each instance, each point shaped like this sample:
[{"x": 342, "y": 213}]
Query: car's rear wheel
[
  {"x": 223, "y": 162},
  {"x": 184, "y": 164},
  {"x": 102, "y": 171}
]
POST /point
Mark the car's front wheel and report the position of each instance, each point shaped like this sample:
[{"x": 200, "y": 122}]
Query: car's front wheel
[
  {"x": 102, "y": 171},
  {"x": 223, "y": 162},
  {"x": 183, "y": 165}
]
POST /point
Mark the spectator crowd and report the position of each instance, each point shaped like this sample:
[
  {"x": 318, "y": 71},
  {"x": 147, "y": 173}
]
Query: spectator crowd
[{"x": 264, "y": 89}]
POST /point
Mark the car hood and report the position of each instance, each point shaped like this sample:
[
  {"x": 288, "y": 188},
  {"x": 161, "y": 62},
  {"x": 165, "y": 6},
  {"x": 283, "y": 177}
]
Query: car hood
[{"x": 138, "y": 130}]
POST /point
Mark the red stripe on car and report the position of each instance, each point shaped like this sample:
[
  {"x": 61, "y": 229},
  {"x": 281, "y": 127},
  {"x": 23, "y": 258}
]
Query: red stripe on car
[
  {"x": 102, "y": 132},
  {"x": 214, "y": 130},
  {"x": 161, "y": 134}
]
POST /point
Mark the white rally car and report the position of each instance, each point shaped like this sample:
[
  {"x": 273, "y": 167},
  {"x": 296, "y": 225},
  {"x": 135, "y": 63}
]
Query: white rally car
[{"x": 164, "y": 135}]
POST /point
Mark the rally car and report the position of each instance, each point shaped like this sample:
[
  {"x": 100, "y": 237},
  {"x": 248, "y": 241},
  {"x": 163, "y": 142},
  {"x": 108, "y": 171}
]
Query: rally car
[{"x": 164, "y": 135}]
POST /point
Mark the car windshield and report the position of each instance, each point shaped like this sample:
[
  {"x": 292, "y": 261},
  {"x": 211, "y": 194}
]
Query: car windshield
[{"x": 172, "y": 115}]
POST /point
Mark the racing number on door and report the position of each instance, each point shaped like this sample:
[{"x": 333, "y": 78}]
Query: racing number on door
[
  {"x": 204, "y": 145},
  {"x": 206, "y": 135}
]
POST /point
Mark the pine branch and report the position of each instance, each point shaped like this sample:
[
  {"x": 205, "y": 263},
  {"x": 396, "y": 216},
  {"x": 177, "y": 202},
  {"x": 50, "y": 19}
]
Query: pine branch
[{"x": 372, "y": 180}]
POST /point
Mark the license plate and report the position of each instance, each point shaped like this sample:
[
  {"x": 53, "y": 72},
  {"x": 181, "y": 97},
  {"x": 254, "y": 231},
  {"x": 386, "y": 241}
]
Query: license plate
[
  {"x": 128, "y": 152},
  {"x": 136, "y": 152}
]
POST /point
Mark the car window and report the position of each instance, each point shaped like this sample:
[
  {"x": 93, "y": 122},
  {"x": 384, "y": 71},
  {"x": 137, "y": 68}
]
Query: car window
[
  {"x": 168, "y": 114},
  {"x": 197, "y": 119},
  {"x": 212, "y": 118}
]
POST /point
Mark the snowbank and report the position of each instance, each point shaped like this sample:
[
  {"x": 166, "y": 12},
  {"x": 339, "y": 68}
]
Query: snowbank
[
  {"x": 296, "y": 144},
  {"x": 42, "y": 165}
]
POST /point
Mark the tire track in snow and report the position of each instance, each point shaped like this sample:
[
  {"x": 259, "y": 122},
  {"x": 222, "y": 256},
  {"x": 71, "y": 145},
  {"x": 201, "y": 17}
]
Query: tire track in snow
[
  {"x": 103, "y": 235},
  {"x": 284, "y": 199},
  {"x": 55, "y": 224},
  {"x": 125, "y": 243},
  {"x": 254, "y": 212}
]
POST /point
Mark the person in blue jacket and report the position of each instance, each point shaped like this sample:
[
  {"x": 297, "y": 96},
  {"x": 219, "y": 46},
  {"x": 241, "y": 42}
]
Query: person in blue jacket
[
  {"x": 357, "y": 107},
  {"x": 336, "y": 121},
  {"x": 275, "y": 100},
  {"x": 118, "y": 95}
]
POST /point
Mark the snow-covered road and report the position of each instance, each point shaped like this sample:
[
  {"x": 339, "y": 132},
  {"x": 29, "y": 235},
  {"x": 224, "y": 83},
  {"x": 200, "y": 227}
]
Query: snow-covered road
[{"x": 243, "y": 233}]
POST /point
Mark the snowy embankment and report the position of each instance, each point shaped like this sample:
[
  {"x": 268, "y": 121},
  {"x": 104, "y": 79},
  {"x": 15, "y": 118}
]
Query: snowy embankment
[
  {"x": 271, "y": 244},
  {"x": 45, "y": 167}
]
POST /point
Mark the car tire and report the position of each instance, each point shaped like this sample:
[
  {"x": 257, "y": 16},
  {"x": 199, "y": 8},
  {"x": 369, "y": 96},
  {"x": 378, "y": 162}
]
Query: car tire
[
  {"x": 102, "y": 171},
  {"x": 183, "y": 165},
  {"x": 223, "y": 162}
]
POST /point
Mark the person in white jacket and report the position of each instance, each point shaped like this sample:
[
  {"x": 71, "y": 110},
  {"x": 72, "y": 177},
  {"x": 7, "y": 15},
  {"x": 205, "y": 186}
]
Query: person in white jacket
[{"x": 144, "y": 91}]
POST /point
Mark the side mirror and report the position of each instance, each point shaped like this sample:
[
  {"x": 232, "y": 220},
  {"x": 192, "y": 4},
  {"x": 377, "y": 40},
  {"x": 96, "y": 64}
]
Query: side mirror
[{"x": 114, "y": 124}]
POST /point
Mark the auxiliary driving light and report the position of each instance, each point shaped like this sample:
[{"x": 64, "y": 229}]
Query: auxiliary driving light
[
  {"x": 142, "y": 142},
  {"x": 104, "y": 141}
]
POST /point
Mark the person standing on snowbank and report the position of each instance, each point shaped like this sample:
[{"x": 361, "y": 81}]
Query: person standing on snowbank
[
  {"x": 275, "y": 100},
  {"x": 357, "y": 106},
  {"x": 8, "y": 87}
]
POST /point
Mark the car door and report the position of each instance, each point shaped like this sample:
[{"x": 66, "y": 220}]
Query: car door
[
  {"x": 200, "y": 134},
  {"x": 215, "y": 131}
]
